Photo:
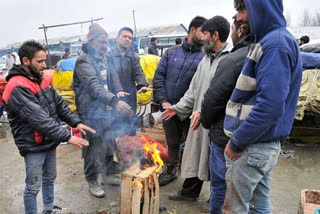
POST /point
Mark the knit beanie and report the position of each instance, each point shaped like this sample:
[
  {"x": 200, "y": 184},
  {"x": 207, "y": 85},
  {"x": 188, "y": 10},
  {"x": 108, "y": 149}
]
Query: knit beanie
[{"x": 95, "y": 30}]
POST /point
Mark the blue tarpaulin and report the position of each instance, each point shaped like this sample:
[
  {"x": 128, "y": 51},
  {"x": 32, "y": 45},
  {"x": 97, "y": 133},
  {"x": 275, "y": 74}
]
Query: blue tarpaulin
[{"x": 310, "y": 60}]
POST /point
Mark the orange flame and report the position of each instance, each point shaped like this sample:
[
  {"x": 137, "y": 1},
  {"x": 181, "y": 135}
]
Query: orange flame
[
  {"x": 151, "y": 150},
  {"x": 136, "y": 182}
]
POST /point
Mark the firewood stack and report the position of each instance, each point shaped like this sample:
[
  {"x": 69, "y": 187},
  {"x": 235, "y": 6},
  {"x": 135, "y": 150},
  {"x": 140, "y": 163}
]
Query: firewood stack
[
  {"x": 140, "y": 191},
  {"x": 142, "y": 157}
]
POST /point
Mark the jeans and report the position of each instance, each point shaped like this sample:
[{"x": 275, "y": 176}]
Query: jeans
[
  {"x": 40, "y": 168},
  {"x": 176, "y": 134},
  {"x": 248, "y": 179},
  {"x": 217, "y": 178}
]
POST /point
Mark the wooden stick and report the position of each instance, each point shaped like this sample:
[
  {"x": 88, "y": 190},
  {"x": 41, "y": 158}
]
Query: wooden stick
[
  {"x": 125, "y": 196},
  {"x": 146, "y": 204},
  {"x": 136, "y": 196},
  {"x": 156, "y": 194}
]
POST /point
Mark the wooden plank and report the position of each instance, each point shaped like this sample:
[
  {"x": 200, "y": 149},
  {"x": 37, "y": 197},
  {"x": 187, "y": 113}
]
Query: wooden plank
[
  {"x": 146, "y": 204},
  {"x": 151, "y": 186},
  {"x": 125, "y": 195},
  {"x": 133, "y": 171},
  {"x": 146, "y": 173},
  {"x": 136, "y": 196},
  {"x": 156, "y": 194}
]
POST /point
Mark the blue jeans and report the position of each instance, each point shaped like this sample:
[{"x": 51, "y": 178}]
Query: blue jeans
[
  {"x": 248, "y": 179},
  {"x": 40, "y": 168},
  {"x": 217, "y": 178}
]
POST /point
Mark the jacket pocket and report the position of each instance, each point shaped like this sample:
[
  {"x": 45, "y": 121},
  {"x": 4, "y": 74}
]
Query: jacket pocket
[{"x": 38, "y": 136}]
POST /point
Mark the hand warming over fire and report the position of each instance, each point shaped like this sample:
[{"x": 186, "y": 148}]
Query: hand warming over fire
[
  {"x": 144, "y": 90},
  {"x": 77, "y": 141},
  {"x": 83, "y": 128},
  {"x": 124, "y": 109},
  {"x": 195, "y": 120},
  {"x": 168, "y": 113},
  {"x": 122, "y": 94}
]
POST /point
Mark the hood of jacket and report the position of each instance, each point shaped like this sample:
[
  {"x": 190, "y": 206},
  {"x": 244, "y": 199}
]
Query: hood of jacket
[
  {"x": 264, "y": 16},
  {"x": 18, "y": 70}
]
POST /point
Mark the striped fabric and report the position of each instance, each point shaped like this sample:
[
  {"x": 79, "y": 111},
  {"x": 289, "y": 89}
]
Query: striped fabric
[{"x": 242, "y": 100}]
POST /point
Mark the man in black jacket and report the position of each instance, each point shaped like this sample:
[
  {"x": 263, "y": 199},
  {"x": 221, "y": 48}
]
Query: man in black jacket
[
  {"x": 152, "y": 48},
  {"x": 95, "y": 103},
  {"x": 213, "y": 111},
  {"x": 127, "y": 65},
  {"x": 34, "y": 112}
]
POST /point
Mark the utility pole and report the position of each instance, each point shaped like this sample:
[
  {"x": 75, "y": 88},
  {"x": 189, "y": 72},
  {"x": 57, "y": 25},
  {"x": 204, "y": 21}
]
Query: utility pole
[{"x": 45, "y": 28}]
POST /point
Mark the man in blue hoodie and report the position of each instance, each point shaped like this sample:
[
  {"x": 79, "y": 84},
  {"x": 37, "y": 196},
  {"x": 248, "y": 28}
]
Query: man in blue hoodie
[{"x": 261, "y": 109}]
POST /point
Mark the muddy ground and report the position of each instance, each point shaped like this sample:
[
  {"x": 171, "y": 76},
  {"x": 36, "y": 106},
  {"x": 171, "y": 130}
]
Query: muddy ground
[{"x": 288, "y": 178}]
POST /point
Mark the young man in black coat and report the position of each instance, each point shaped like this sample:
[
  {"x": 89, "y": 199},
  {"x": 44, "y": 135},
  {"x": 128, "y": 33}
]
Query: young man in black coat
[{"x": 213, "y": 111}]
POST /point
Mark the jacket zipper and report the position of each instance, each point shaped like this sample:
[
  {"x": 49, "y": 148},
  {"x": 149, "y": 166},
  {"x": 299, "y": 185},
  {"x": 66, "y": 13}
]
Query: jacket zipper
[
  {"x": 237, "y": 120},
  {"x": 180, "y": 73}
]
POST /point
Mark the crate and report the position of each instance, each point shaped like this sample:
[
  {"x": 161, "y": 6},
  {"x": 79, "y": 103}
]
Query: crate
[
  {"x": 309, "y": 201},
  {"x": 140, "y": 191}
]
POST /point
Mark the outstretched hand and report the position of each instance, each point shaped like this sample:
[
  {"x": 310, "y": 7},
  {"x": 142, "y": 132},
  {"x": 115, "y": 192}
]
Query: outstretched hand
[
  {"x": 144, "y": 90},
  {"x": 168, "y": 113},
  {"x": 122, "y": 94},
  {"x": 124, "y": 109},
  {"x": 195, "y": 120},
  {"x": 78, "y": 141},
  {"x": 83, "y": 128}
]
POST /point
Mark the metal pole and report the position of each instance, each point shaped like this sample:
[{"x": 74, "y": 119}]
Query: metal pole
[
  {"x": 135, "y": 27},
  {"x": 45, "y": 36},
  {"x": 75, "y": 23},
  {"x": 45, "y": 28}
]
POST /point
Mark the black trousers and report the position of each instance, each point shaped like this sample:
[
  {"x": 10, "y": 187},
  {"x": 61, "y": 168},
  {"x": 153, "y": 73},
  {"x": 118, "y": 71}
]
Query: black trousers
[
  {"x": 99, "y": 154},
  {"x": 192, "y": 187},
  {"x": 176, "y": 133}
]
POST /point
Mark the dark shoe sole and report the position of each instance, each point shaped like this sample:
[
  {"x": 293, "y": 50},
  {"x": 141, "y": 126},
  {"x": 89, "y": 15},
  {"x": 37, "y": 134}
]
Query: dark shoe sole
[{"x": 175, "y": 198}]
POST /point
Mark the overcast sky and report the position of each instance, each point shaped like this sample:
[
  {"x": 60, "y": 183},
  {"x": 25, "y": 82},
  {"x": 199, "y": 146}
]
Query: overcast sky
[{"x": 20, "y": 19}]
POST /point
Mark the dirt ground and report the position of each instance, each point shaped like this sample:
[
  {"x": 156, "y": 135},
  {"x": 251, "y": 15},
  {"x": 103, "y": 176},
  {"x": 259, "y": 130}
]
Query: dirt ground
[{"x": 288, "y": 178}]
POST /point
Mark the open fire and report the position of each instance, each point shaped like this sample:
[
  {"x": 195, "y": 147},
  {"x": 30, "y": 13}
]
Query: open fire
[
  {"x": 143, "y": 149},
  {"x": 142, "y": 158}
]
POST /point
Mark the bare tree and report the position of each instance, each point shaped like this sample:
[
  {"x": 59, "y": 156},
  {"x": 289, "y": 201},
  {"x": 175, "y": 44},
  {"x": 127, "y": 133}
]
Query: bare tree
[
  {"x": 306, "y": 19},
  {"x": 316, "y": 19}
]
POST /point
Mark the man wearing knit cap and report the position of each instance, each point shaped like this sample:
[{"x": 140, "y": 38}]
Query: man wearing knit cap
[{"x": 91, "y": 81}]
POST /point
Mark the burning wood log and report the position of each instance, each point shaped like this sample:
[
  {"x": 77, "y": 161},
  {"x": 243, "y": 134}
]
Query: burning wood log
[{"x": 140, "y": 191}]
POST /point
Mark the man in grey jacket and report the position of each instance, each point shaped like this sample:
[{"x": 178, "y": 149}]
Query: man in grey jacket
[{"x": 91, "y": 81}]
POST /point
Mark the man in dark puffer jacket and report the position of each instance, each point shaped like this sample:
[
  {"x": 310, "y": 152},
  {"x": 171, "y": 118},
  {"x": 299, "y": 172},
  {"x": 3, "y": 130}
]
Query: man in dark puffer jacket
[
  {"x": 171, "y": 81},
  {"x": 213, "y": 111},
  {"x": 92, "y": 80},
  {"x": 34, "y": 111}
]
